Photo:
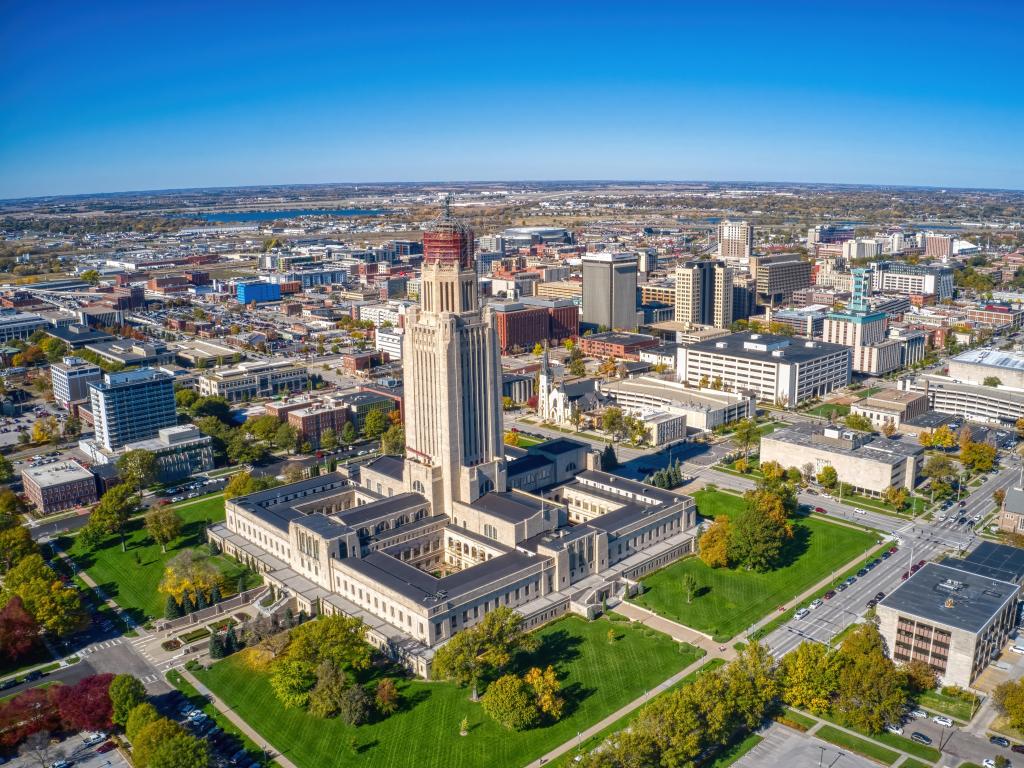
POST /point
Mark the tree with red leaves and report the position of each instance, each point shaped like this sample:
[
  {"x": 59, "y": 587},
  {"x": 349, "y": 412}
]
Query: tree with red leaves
[
  {"x": 85, "y": 706},
  {"x": 29, "y": 712},
  {"x": 19, "y": 632}
]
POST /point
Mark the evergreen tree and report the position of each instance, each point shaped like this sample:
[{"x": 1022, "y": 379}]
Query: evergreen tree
[
  {"x": 241, "y": 584},
  {"x": 216, "y": 647},
  {"x": 230, "y": 641},
  {"x": 289, "y": 617},
  {"x": 171, "y": 609},
  {"x": 187, "y": 606},
  {"x": 201, "y": 600},
  {"x": 215, "y": 596}
]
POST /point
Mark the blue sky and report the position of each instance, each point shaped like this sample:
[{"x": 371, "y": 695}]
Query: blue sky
[{"x": 112, "y": 96}]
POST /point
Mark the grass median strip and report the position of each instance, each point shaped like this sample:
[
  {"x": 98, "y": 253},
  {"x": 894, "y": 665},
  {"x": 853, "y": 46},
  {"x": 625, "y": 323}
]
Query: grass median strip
[{"x": 868, "y": 749}]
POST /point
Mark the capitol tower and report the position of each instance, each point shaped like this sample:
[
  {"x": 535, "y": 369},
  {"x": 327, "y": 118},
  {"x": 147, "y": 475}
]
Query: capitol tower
[{"x": 453, "y": 420}]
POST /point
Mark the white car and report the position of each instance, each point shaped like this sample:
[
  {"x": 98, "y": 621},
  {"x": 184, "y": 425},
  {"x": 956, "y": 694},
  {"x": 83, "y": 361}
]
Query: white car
[
  {"x": 988, "y": 762},
  {"x": 802, "y": 613},
  {"x": 897, "y": 729},
  {"x": 93, "y": 737},
  {"x": 942, "y": 720},
  {"x": 1017, "y": 649},
  {"x": 815, "y": 603},
  {"x": 920, "y": 714},
  {"x": 859, "y": 511}
]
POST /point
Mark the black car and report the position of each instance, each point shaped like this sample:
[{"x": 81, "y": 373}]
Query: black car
[
  {"x": 872, "y": 603},
  {"x": 862, "y": 572},
  {"x": 880, "y": 595},
  {"x": 920, "y": 738},
  {"x": 999, "y": 741},
  {"x": 31, "y": 677},
  {"x": 8, "y": 684},
  {"x": 1018, "y": 748}
]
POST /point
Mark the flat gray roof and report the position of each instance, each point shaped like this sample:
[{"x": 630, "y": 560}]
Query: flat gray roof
[
  {"x": 760, "y": 346},
  {"x": 951, "y": 596}
]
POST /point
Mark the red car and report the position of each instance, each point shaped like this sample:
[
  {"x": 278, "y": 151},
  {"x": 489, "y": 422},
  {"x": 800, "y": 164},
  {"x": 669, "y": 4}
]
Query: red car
[
  {"x": 906, "y": 575},
  {"x": 920, "y": 563},
  {"x": 820, "y": 510},
  {"x": 107, "y": 747},
  {"x": 893, "y": 550},
  {"x": 830, "y": 594}
]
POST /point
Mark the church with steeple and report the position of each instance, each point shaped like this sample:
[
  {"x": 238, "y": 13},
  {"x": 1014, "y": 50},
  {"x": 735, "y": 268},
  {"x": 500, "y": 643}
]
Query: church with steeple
[{"x": 424, "y": 546}]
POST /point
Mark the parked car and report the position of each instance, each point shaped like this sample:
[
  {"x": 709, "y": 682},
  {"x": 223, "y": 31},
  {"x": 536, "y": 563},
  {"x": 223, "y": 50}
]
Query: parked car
[
  {"x": 906, "y": 575},
  {"x": 802, "y": 613},
  {"x": 830, "y": 594},
  {"x": 920, "y": 714},
  {"x": 942, "y": 720},
  {"x": 102, "y": 749},
  {"x": 820, "y": 510},
  {"x": 1018, "y": 748},
  {"x": 862, "y": 572},
  {"x": 999, "y": 741},
  {"x": 815, "y": 603},
  {"x": 920, "y": 738},
  {"x": 897, "y": 729},
  {"x": 841, "y": 587},
  {"x": 879, "y": 596},
  {"x": 1017, "y": 649},
  {"x": 871, "y": 603}
]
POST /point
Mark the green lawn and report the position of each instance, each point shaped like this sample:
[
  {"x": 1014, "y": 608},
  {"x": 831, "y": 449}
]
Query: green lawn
[
  {"x": 733, "y": 599},
  {"x": 597, "y": 678},
  {"x": 912, "y": 763},
  {"x": 799, "y": 718},
  {"x": 958, "y": 709},
  {"x": 131, "y": 578},
  {"x": 826, "y": 408},
  {"x": 856, "y": 744}
]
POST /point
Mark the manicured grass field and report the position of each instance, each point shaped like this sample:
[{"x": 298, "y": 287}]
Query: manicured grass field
[
  {"x": 597, "y": 678},
  {"x": 826, "y": 408},
  {"x": 731, "y": 599},
  {"x": 735, "y": 751},
  {"x": 856, "y": 744},
  {"x": 131, "y": 578},
  {"x": 958, "y": 709}
]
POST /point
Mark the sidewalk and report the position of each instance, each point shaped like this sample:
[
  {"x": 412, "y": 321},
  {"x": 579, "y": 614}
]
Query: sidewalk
[{"x": 239, "y": 723}]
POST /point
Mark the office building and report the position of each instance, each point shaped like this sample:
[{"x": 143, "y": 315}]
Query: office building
[
  {"x": 389, "y": 341},
  {"x": 777, "y": 369},
  {"x": 133, "y": 353},
  {"x": 867, "y": 463},
  {"x": 913, "y": 279},
  {"x": 704, "y": 409},
  {"x": 56, "y": 487},
  {"x": 863, "y": 330},
  {"x": 891, "y": 406},
  {"x": 976, "y": 366},
  {"x": 703, "y": 294},
  {"x": 609, "y": 291},
  {"x": 181, "y": 452},
  {"x": 808, "y": 321},
  {"x": 131, "y": 406},
  {"x": 257, "y": 292},
  {"x": 423, "y": 548},
  {"x": 952, "y": 619},
  {"x": 828, "y": 233},
  {"x": 938, "y": 246},
  {"x": 18, "y": 325},
  {"x": 522, "y": 324},
  {"x": 622, "y": 346},
  {"x": 70, "y": 379},
  {"x": 777, "y": 277},
  {"x": 249, "y": 380},
  {"x": 735, "y": 241},
  {"x": 311, "y": 422},
  {"x": 973, "y": 402}
]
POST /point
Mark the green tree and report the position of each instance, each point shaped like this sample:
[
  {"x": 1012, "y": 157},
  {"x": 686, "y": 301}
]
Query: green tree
[
  {"x": 871, "y": 691},
  {"x": 757, "y": 540},
  {"x": 577, "y": 368},
  {"x": 337, "y": 638},
  {"x": 751, "y": 683},
  {"x": 992, "y": 381},
  {"x": 393, "y": 440},
  {"x": 547, "y": 691},
  {"x": 126, "y": 693},
  {"x": 58, "y": 609},
  {"x": 490, "y": 645},
  {"x": 348, "y": 433},
  {"x": 354, "y": 706},
  {"x": 690, "y": 586},
  {"x": 328, "y": 439},
  {"x": 286, "y": 438},
  {"x": 613, "y": 422},
  {"x": 292, "y": 680},
  {"x": 113, "y": 511},
  {"x": 212, "y": 405},
  {"x": 746, "y": 434},
  {"x": 609, "y": 460},
  {"x": 386, "y": 696},
  {"x": 374, "y": 425},
  {"x": 828, "y": 477},
  {"x": 91, "y": 276},
  {"x": 510, "y": 701},
  {"x": 138, "y": 718},
  {"x": 325, "y": 698},
  {"x": 6, "y": 470},
  {"x": 810, "y": 677},
  {"x": 186, "y": 398},
  {"x": 15, "y": 543},
  {"x": 243, "y": 483},
  {"x": 1008, "y": 698},
  {"x": 859, "y": 422},
  {"x": 163, "y": 525}
]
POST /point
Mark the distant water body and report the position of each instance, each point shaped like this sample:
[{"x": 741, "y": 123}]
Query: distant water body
[{"x": 288, "y": 214}]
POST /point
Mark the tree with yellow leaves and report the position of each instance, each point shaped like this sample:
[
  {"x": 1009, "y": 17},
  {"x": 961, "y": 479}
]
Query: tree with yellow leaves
[
  {"x": 714, "y": 543},
  {"x": 190, "y": 571},
  {"x": 546, "y": 687}
]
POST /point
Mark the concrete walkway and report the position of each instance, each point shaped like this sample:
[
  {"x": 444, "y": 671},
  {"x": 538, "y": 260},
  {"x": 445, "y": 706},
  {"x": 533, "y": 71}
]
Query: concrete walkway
[{"x": 239, "y": 723}]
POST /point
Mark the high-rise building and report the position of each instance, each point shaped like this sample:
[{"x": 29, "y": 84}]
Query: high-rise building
[
  {"x": 938, "y": 246},
  {"x": 609, "y": 290},
  {"x": 735, "y": 241},
  {"x": 71, "y": 378},
  {"x": 131, "y": 406},
  {"x": 704, "y": 294},
  {"x": 778, "y": 276},
  {"x": 454, "y": 439},
  {"x": 864, "y": 331}
]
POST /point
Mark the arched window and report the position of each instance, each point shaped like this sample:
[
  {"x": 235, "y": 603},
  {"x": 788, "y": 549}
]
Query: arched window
[
  {"x": 417, "y": 486},
  {"x": 490, "y": 531},
  {"x": 571, "y": 466}
]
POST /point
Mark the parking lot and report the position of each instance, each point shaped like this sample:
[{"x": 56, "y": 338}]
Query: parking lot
[
  {"x": 75, "y": 751},
  {"x": 782, "y": 746}
]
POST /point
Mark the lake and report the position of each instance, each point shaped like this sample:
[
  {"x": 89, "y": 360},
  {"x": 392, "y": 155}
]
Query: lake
[{"x": 287, "y": 214}]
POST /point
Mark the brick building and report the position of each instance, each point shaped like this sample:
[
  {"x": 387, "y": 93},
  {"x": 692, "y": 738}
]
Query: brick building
[
  {"x": 56, "y": 487},
  {"x": 625, "y": 346}
]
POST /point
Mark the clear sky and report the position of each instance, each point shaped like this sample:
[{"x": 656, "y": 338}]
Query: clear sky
[{"x": 112, "y": 96}]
